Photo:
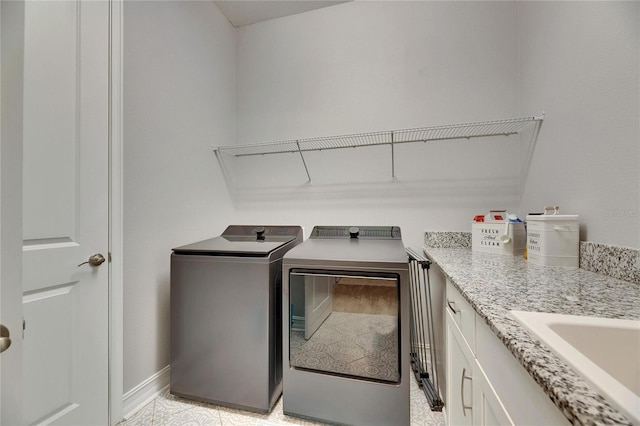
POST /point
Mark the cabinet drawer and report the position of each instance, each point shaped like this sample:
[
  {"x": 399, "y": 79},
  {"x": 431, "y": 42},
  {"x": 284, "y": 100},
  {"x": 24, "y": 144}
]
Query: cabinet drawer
[{"x": 462, "y": 313}]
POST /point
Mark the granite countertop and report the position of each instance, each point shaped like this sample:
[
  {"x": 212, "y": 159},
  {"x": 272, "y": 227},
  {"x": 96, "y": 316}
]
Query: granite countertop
[{"x": 496, "y": 284}]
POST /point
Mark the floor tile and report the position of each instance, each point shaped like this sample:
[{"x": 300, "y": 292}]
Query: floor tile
[
  {"x": 169, "y": 410},
  {"x": 195, "y": 416},
  {"x": 168, "y": 405},
  {"x": 143, "y": 417},
  {"x": 235, "y": 417}
]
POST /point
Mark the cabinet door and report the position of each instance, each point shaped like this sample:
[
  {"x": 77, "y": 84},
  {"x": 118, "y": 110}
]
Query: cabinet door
[
  {"x": 530, "y": 404},
  {"x": 489, "y": 411},
  {"x": 460, "y": 362}
]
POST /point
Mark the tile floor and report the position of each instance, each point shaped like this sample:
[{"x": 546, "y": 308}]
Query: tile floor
[{"x": 168, "y": 410}]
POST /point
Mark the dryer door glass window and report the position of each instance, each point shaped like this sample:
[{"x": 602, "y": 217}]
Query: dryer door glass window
[{"x": 345, "y": 324}]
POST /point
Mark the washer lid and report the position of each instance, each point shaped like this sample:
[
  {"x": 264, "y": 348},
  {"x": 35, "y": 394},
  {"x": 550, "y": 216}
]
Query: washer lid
[
  {"x": 240, "y": 246},
  {"x": 243, "y": 240}
]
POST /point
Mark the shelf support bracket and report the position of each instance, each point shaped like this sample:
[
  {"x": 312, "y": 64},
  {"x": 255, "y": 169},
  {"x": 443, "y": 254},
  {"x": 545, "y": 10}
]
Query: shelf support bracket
[
  {"x": 304, "y": 163},
  {"x": 526, "y": 164},
  {"x": 225, "y": 172},
  {"x": 393, "y": 161}
]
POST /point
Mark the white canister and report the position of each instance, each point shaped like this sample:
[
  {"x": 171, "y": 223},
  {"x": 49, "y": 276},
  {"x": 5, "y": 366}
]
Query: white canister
[{"x": 553, "y": 239}]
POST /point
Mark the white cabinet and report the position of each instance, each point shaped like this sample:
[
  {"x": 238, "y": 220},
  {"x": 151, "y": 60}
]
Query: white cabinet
[
  {"x": 523, "y": 399},
  {"x": 471, "y": 400},
  {"x": 485, "y": 383},
  {"x": 488, "y": 407},
  {"x": 461, "y": 313},
  {"x": 460, "y": 363}
]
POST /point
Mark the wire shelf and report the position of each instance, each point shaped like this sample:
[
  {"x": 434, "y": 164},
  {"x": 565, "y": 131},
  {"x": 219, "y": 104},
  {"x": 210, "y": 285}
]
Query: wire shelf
[
  {"x": 422, "y": 134},
  {"x": 480, "y": 129}
]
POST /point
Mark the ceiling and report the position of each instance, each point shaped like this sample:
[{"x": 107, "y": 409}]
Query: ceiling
[{"x": 246, "y": 12}]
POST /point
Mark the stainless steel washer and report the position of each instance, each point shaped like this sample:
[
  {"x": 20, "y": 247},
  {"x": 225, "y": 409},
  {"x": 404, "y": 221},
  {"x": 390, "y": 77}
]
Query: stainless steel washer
[
  {"x": 226, "y": 328},
  {"x": 346, "y": 332}
]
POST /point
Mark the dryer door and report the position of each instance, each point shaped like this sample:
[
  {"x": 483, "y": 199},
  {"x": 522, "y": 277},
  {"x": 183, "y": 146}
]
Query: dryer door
[{"x": 345, "y": 323}]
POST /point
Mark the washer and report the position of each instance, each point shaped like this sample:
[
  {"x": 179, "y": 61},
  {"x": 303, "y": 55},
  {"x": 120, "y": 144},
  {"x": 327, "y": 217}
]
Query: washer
[
  {"x": 226, "y": 328},
  {"x": 346, "y": 332}
]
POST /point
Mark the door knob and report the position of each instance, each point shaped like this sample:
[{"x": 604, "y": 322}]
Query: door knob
[
  {"x": 5, "y": 340},
  {"x": 94, "y": 260}
]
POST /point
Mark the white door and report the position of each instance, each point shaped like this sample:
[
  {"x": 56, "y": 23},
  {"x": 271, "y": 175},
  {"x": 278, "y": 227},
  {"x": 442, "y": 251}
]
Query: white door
[
  {"x": 65, "y": 212},
  {"x": 318, "y": 302},
  {"x": 11, "y": 36}
]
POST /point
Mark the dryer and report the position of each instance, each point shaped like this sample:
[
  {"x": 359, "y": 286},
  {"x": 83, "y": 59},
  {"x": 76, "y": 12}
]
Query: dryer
[{"x": 346, "y": 332}]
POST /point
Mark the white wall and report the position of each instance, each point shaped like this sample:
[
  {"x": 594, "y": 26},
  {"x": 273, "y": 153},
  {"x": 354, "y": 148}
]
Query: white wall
[
  {"x": 178, "y": 102},
  {"x": 581, "y": 63},
  {"x": 359, "y": 67},
  {"x": 370, "y": 66}
]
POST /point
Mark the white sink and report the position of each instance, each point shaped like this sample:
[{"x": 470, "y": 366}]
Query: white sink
[{"x": 604, "y": 351}]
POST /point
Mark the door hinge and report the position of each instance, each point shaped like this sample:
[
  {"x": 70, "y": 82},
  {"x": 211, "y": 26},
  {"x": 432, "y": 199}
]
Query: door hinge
[{"x": 24, "y": 327}]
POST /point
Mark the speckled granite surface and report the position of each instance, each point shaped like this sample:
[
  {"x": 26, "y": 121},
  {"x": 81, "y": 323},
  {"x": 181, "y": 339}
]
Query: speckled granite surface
[
  {"x": 616, "y": 262},
  {"x": 447, "y": 239},
  {"x": 496, "y": 284}
]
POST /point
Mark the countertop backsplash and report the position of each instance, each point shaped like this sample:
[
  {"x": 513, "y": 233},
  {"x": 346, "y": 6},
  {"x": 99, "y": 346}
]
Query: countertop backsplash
[
  {"x": 447, "y": 239},
  {"x": 617, "y": 262}
]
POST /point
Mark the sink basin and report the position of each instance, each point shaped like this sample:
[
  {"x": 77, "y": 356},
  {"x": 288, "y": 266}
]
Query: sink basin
[{"x": 604, "y": 351}]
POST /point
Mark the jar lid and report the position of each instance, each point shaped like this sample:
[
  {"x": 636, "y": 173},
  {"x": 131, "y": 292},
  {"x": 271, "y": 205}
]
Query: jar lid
[{"x": 548, "y": 217}]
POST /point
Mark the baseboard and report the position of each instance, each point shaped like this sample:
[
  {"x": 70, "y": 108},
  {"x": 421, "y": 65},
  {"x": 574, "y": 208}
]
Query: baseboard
[{"x": 145, "y": 392}]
